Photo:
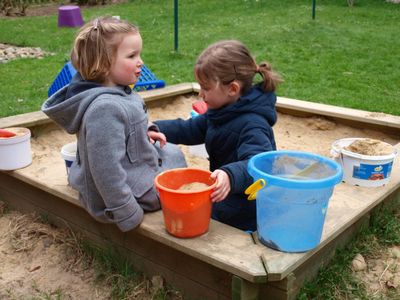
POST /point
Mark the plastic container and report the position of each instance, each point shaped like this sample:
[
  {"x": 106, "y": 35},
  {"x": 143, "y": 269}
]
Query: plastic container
[
  {"x": 291, "y": 208},
  {"x": 68, "y": 153},
  {"x": 15, "y": 152},
  {"x": 362, "y": 170},
  {"x": 70, "y": 16},
  {"x": 147, "y": 80},
  {"x": 186, "y": 213},
  {"x": 198, "y": 150}
]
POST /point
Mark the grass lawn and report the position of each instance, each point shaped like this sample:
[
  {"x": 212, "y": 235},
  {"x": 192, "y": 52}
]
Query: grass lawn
[{"x": 346, "y": 56}]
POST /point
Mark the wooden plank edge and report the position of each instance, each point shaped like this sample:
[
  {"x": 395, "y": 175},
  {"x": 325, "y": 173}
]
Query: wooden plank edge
[
  {"x": 185, "y": 245},
  {"x": 67, "y": 197},
  {"x": 168, "y": 91},
  {"x": 244, "y": 290},
  {"x": 24, "y": 120},
  {"x": 337, "y": 112}
]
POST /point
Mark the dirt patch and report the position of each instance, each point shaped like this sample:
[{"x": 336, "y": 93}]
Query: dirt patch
[
  {"x": 42, "y": 10},
  {"x": 381, "y": 274},
  {"x": 49, "y": 9},
  {"x": 36, "y": 262},
  {"x": 39, "y": 261}
]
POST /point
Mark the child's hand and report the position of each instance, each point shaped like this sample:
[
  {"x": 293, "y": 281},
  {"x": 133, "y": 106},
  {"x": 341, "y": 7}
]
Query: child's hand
[
  {"x": 223, "y": 186},
  {"x": 157, "y": 136}
]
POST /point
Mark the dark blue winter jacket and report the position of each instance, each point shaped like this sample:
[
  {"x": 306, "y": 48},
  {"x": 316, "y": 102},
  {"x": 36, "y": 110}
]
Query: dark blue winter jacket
[{"x": 232, "y": 135}]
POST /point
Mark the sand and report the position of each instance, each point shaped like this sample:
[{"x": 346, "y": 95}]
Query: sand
[
  {"x": 370, "y": 147},
  {"x": 193, "y": 186}
]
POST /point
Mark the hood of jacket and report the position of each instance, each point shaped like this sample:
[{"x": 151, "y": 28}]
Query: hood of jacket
[
  {"x": 254, "y": 101},
  {"x": 68, "y": 105}
]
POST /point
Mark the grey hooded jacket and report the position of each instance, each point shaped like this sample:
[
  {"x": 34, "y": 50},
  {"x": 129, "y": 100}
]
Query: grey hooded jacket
[{"x": 116, "y": 163}]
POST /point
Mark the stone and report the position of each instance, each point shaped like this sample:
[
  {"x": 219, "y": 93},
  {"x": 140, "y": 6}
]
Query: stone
[{"x": 358, "y": 263}]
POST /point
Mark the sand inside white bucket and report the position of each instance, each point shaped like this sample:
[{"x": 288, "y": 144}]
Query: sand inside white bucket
[{"x": 370, "y": 147}]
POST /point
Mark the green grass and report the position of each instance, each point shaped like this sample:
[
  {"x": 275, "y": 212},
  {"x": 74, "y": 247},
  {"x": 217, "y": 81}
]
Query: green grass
[
  {"x": 114, "y": 269},
  {"x": 346, "y": 56}
]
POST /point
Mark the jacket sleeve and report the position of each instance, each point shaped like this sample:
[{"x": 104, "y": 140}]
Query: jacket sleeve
[
  {"x": 253, "y": 140},
  {"x": 188, "y": 132},
  {"x": 106, "y": 146}
]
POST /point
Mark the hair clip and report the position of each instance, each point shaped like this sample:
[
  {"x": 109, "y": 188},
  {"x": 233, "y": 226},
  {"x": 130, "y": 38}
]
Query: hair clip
[
  {"x": 95, "y": 24},
  {"x": 234, "y": 68}
]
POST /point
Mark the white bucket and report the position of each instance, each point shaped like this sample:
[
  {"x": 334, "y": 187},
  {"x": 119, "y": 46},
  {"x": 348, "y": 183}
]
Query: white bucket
[
  {"x": 15, "y": 152},
  {"x": 198, "y": 150},
  {"x": 362, "y": 170},
  {"x": 68, "y": 153}
]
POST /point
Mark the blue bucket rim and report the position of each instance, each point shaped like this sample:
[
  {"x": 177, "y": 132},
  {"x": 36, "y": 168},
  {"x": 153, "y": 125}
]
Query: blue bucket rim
[{"x": 293, "y": 183}]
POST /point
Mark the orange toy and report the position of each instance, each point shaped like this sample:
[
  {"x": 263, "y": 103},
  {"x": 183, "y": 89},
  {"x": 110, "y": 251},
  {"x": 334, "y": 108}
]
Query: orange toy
[{"x": 186, "y": 213}]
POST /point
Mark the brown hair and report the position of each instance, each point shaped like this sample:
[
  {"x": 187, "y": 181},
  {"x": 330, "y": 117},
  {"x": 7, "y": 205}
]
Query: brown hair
[
  {"x": 226, "y": 61},
  {"x": 96, "y": 44}
]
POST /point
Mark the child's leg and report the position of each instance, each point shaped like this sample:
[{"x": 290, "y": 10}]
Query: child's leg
[
  {"x": 171, "y": 157},
  {"x": 236, "y": 214}
]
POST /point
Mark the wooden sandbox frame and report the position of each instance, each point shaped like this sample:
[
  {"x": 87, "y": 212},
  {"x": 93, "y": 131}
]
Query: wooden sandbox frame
[{"x": 224, "y": 263}]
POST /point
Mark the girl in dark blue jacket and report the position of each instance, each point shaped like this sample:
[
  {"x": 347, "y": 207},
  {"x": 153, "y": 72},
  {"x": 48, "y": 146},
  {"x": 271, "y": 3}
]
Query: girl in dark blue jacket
[{"x": 237, "y": 125}]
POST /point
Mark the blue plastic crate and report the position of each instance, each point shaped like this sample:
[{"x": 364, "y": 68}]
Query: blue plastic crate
[
  {"x": 147, "y": 79},
  {"x": 63, "y": 78}
]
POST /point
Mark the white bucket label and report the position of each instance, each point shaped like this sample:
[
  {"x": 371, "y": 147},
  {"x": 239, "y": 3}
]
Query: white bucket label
[{"x": 372, "y": 172}]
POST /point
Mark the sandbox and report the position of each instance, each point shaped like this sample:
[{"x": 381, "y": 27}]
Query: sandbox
[{"x": 224, "y": 263}]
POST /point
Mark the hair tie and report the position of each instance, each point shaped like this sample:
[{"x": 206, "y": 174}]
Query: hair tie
[
  {"x": 95, "y": 24},
  {"x": 258, "y": 69},
  {"x": 265, "y": 65}
]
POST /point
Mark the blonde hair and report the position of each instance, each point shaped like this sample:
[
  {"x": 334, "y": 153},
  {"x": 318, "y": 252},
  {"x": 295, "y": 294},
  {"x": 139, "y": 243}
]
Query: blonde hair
[
  {"x": 96, "y": 45},
  {"x": 229, "y": 60}
]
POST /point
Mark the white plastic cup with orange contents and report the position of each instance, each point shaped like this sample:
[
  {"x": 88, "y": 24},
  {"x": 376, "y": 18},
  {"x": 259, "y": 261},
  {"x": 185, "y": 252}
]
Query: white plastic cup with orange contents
[
  {"x": 15, "y": 148},
  {"x": 68, "y": 153}
]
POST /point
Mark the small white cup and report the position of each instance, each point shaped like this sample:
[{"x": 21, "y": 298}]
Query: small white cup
[{"x": 68, "y": 152}]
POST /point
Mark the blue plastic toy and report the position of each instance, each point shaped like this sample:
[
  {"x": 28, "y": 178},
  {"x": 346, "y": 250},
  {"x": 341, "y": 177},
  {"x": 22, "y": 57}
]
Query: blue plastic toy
[
  {"x": 147, "y": 79},
  {"x": 293, "y": 200}
]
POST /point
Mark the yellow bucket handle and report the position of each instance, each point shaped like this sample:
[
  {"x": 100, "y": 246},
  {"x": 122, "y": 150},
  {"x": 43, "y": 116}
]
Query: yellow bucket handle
[{"x": 254, "y": 188}]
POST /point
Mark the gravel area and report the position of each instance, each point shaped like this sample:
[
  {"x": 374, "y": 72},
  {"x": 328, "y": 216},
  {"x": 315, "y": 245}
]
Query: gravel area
[{"x": 10, "y": 52}]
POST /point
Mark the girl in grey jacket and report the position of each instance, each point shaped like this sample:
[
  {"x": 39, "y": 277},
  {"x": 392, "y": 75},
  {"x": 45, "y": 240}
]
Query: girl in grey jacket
[{"x": 117, "y": 160}]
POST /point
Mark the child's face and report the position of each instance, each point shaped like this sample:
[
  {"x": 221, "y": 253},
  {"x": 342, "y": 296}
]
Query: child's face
[
  {"x": 217, "y": 95},
  {"x": 127, "y": 64}
]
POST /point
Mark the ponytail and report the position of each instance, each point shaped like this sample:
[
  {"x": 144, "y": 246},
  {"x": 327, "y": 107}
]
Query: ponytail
[
  {"x": 229, "y": 60},
  {"x": 271, "y": 79}
]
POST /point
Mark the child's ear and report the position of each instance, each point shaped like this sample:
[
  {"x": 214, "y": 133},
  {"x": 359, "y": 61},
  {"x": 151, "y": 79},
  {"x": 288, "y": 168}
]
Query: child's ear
[{"x": 234, "y": 88}]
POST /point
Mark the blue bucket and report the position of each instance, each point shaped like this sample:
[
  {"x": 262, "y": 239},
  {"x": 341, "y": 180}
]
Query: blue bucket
[{"x": 291, "y": 207}]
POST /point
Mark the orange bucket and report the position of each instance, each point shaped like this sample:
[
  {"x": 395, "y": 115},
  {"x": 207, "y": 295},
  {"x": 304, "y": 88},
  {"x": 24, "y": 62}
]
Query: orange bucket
[{"x": 186, "y": 213}]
